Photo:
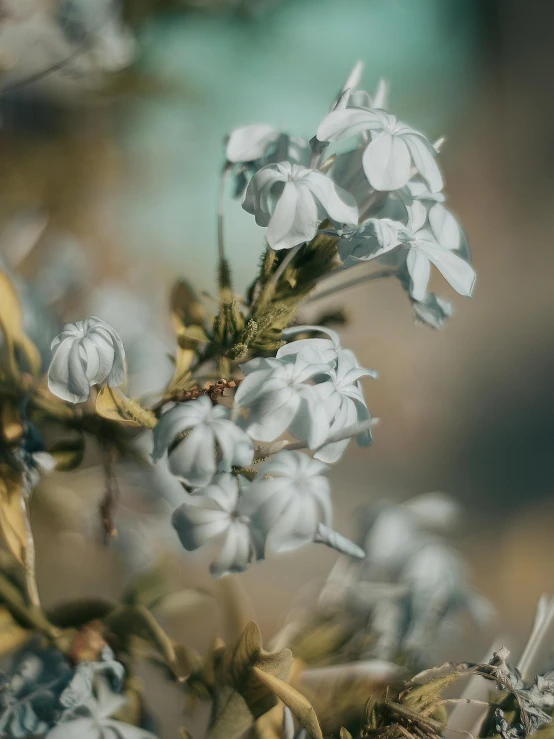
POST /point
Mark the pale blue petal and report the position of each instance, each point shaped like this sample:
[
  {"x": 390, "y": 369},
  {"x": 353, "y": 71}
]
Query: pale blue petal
[{"x": 386, "y": 162}]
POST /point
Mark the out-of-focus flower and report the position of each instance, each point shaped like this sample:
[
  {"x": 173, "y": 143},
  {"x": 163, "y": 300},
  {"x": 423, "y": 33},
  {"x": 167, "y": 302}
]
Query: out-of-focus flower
[
  {"x": 97, "y": 28},
  {"x": 215, "y": 511},
  {"x": 249, "y": 143},
  {"x": 291, "y": 200},
  {"x": 200, "y": 441},
  {"x": 288, "y": 499},
  {"x": 394, "y": 148},
  {"x": 278, "y": 397},
  {"x": 86, "y": 353},
  {"x": 41, "y": 688},
  {"x": 97, "y": 724}
]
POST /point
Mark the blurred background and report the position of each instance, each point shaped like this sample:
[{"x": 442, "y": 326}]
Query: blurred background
[{"x": 110, "y": 152}]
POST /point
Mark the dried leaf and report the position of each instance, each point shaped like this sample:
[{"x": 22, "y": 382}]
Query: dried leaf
[
  {"x": 14, "y": 523},
  {"x": 298, "y": 704},
  {"x": 110, "y": 405}
]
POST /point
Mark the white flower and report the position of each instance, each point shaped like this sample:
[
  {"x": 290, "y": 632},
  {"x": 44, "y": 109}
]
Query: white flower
[
  {"x": 291, "y": 200},
  {"x": 215, "y": 511},
  {"x": 213, "y": 442},
  {"x": 344, "y": 402},
  {"x": 278, "y": 398},
  {"x": 427, "y": 209},
  {"x": 377, "y": 237},
  {"x": 393, "y": 150},
  {"x": 86, "y": 353},
  {"x": 339, "y": 390},
  {"x": 98, "y": 725},
  {"x": 248, "y": 143},
  {"x": 288, "y": 500}
]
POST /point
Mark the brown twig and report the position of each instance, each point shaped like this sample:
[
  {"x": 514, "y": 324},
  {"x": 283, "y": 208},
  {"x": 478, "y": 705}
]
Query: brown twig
[{"x": 111, "y": 496}]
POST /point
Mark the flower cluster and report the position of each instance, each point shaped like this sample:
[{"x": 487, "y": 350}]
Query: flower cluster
[
  {"x": 44, "y": 696},
  {"x": 248, "y": 485},
  {"x": 382, "y": 197}
]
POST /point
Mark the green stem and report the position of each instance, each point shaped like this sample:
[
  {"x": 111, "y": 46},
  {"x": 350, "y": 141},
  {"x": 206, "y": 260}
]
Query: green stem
[{"x": 352, "y": 283}]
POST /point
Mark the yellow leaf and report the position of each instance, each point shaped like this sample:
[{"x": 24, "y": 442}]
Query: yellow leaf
[
  {"x": 298, "y": 704},
  {"x": 11, "y": 325},
  {"x": 14, "y": 524},
  {"x": 110, "y": 405},
  {"x": 187, "y": 315}
]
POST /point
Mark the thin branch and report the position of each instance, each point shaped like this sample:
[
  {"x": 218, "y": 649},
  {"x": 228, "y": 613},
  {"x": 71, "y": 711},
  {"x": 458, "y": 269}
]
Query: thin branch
[
  {"x": 352, "y": 283},
  {"x": 224, "y": 273},
  {"x": 284, "y": 264}
]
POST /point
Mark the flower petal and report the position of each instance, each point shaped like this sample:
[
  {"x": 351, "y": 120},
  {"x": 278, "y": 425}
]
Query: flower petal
[
  {"x": 236, "y": 553},
  {"x": 337, "y": 203},
  {"x": 295, "y": 526},
  {"x": 176, "y": 420},
  {"x": 424, "y": 160},
  {"x": 249, "y": 142},
  {"x": 341, "y": 124},
  {"x": 386, "y": 162},
  {"x": 455, "y": 270},
  {"x": 258, "y": 193},
  {"x": 235, "y": 446},
  {"x": 310, "y": 422},
  {"x": 196, "y": 525},
  {"x": 445, "y": 227},
  {"x": 420, "y": 270},
  {"x": 294, "y": 219},
  {"x": 194, "y": 459},
  {"x": 66, "y": 376}
]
